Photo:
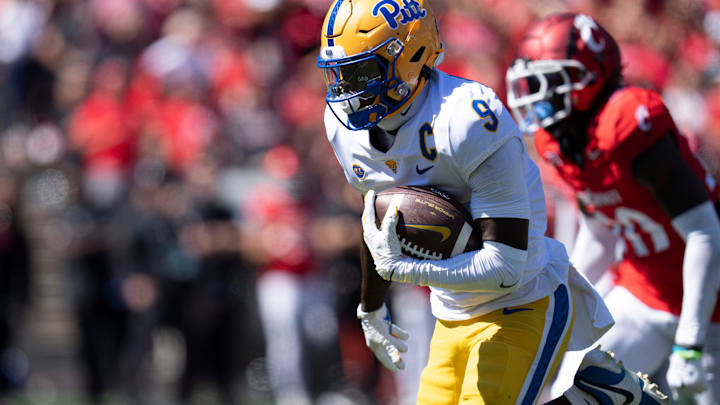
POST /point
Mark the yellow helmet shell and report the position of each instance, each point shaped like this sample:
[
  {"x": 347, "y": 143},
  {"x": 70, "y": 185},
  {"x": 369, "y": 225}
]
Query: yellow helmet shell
[{"x": 360, "y": 26}]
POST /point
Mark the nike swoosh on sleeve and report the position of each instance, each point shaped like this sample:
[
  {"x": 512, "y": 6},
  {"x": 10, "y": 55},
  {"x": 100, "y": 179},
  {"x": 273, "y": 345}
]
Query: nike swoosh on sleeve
[{"x": 422, "y": 171}]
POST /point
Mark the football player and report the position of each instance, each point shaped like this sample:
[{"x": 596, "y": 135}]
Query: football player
[
  {"x": 505, "y": 313},
  {"x": 637, "y": 181}
]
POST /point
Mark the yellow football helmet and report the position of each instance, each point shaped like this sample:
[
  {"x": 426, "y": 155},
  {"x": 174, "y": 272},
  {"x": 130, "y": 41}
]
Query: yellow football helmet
[{"x": 376, "y": 56}]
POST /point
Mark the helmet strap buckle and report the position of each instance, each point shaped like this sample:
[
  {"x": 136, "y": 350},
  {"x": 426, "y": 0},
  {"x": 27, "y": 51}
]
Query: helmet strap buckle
[
  {"x": 394, "y": 48},
  {"x": 402, "y": 90}
]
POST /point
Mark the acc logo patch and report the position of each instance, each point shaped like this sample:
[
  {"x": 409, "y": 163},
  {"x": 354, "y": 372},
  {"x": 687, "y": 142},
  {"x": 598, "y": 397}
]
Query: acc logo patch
[
  {"x": 390, "y": 10},
  {"x": 359, "y": 171},
  {"x": 392, "y": 165}
]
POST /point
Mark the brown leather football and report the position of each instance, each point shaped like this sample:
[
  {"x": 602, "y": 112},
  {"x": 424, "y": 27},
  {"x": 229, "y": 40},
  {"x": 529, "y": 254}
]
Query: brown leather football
[{"x": 432, "y": 224}]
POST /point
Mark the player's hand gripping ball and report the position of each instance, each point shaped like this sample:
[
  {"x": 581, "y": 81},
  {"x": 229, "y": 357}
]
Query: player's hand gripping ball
[{"x": 421, "y": 222}]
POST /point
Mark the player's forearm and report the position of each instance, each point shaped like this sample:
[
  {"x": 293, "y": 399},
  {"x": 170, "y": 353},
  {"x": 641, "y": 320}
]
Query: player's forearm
[
  {"x": 495, "y": 267},
  {"x": 373, "y": 288},
  {"x": 593, "y": 252},
  {"x": 700, "y": 228}
]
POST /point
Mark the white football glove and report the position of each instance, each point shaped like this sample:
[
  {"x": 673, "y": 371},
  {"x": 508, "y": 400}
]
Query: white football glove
[
  {"x": 383, "y": 243},
  {"x": 385, "y": 339},
  {"x": 685, "y": 375}
]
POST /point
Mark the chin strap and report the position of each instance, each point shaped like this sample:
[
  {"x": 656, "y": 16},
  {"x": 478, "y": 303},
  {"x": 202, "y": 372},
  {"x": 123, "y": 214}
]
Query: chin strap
[
  {"x": 391, "y": 122},
  {"x": 401, "y": 116}
]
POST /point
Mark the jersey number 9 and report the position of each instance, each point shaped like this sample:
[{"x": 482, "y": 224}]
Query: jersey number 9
[{"x": 484, "y": 112}]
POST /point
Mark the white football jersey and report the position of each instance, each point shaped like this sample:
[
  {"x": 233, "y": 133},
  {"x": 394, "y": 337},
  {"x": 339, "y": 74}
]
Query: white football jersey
[{"x": 459, "y": 125}]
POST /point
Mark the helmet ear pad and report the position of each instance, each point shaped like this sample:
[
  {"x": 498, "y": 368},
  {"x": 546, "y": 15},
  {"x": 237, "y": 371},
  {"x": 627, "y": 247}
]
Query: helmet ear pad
[
  {"x": 583, "y": 100},
  {"x": 595, "y": 90},
  {"x": 410, "y": 63},
  {"x": 420, "y": 52}
]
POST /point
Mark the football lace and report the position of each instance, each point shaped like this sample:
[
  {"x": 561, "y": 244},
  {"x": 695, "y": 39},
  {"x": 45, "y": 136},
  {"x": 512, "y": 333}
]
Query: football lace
[{"x": 420, "y": 252}]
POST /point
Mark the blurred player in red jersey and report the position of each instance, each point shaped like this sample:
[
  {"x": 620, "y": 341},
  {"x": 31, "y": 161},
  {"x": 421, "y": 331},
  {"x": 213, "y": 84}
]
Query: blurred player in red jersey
[{"x": 637, "y": 183}]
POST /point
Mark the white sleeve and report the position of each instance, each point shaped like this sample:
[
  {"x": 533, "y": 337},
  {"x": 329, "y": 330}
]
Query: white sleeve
[
  {"x": 478, "y": 126},
  {"x": 495, "y": 267},
  {"x": 700, "y": 228},
  {"x": 498, "y": 191},
  {"x": 594, "y": 248},
  {"x": 498, "y": 185}
]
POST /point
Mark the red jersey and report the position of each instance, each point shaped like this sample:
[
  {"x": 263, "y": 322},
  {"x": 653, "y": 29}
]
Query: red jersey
[{"x": 632, "y": 120}]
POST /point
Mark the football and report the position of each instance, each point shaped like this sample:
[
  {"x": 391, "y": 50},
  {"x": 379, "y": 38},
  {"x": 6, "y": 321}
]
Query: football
[{"x": 432, "y": 225}]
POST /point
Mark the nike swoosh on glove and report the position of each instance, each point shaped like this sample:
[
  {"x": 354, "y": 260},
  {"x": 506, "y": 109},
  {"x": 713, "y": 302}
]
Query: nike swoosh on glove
[
  {"x": 685, "y": 375},
  {"x": 385, "y": 339},
  {"x": 383, "y": 243}
]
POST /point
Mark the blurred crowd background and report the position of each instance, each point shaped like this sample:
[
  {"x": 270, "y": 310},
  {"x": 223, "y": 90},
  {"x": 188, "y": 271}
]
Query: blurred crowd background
[{"x": 174, "y": 227}]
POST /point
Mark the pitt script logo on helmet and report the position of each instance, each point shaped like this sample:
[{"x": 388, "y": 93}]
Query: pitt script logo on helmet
[
  {"x": 390, "y": 10},
  {"x": 376, "y": 56}
]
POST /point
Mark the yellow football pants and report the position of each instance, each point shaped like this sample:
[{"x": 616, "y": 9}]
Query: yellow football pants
[{"x": 503, "y": 357}]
